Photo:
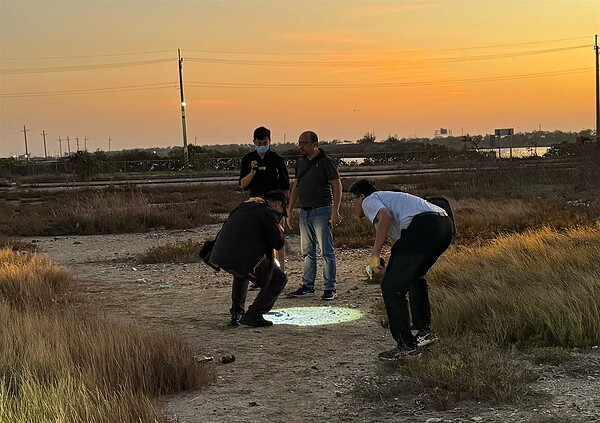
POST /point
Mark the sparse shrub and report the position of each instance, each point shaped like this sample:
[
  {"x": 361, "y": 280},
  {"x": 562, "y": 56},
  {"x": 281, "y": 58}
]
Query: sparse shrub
[{"x": 178, "y": 252}]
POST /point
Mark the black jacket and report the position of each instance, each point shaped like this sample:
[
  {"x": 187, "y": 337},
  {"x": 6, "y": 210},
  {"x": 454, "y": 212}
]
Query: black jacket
[{"x": 245, "y": 244}]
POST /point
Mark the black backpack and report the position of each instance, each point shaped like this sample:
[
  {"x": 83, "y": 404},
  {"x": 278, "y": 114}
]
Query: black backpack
[{"x": 445, "y": 204}]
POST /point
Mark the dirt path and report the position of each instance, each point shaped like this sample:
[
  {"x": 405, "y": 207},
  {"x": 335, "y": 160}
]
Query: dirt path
[{"x": 282, "y": 373}]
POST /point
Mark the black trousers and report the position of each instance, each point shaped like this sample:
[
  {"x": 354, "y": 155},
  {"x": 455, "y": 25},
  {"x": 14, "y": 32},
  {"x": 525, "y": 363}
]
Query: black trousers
[
  {"x": 418, "y": 248},
  {"x": 264, "y": 301}
]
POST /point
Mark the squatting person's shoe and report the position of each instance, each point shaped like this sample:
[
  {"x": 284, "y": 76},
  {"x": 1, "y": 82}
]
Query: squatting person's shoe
[
  {"x": 329, "y": 295},
  {"x": 257, "y": 322},
  {"x": 235, "y": 318},
  {"x": 303, "y": 291},
  {"x": 398, "y": 353}
]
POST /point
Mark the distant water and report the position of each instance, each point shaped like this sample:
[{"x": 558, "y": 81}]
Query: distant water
[{"x": 518, "y": 152}]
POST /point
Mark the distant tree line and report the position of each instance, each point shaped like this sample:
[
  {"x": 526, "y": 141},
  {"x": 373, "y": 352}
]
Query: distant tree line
[{"x": 370, "y": 151}]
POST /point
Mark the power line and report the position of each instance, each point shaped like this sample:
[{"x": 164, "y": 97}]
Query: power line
[
  {"x": 82, "y": 67},
  {"x": 325, "y": 64},
  {"x": 92, "y": 90},
  {"x": 389, "y": 84},
  {"x": 225, "y": 85},
  {"x": 86, "y": 56},
  {"x": 337, "y": 53}
]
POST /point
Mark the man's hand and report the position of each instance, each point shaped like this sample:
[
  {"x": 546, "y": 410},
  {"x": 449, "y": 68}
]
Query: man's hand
[
  {"x": 373, "y": 266},
  {"x": 254, "y": 165},
  {"x": 336, "y": 218},
  {"x": 290, "y": 218}
]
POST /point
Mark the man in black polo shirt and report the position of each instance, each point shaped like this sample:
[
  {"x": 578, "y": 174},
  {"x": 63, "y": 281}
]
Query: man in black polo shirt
[{"x": 262, "y": 171}]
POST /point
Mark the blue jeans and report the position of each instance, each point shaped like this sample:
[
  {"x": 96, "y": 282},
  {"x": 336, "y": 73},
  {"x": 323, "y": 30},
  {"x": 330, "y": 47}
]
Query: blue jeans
[{"x": 315, "y": 228}]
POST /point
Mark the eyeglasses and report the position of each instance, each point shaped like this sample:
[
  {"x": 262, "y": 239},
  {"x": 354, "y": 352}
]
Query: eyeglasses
[{"x": 304, "y": 142}]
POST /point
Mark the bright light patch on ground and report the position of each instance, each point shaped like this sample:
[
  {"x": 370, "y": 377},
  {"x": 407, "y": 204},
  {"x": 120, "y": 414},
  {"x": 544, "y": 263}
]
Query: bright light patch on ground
[{"x": 312, "y": 316}]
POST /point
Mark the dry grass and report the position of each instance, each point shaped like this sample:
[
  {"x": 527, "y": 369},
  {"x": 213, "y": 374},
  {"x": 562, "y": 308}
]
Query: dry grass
[
  {"x": 457, "y": 369},
  {"x": 539, "y": 290},
  {"x": 183, "y": 251},
  {"x": 537, "y": 287},
  {"x": 107, "y": 211},
  {"x": 63, "y": 363}
]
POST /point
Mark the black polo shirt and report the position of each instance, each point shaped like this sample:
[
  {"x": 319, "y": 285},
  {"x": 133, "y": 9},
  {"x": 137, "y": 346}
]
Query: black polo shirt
[{"x": 271, "y": 174}]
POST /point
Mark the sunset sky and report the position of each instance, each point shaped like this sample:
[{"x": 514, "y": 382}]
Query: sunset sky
[{"x": 108, "y": 69}]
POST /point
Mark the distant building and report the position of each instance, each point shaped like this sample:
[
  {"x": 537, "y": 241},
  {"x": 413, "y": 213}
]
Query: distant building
[{"x": 442, "y": 133}]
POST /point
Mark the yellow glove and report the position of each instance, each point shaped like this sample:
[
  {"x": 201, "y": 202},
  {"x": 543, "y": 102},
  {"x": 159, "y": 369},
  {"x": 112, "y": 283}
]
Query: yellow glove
[{"x": 373, "y": 266}]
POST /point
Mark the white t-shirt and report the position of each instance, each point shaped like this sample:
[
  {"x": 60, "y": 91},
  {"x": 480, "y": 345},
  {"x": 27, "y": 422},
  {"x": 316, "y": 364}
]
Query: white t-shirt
[{"x": 401, "y": 206}]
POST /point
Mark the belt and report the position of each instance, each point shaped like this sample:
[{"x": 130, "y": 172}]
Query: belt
[
  {"x": 311, "y": 208},
  {"x": 433, "y": 213}
]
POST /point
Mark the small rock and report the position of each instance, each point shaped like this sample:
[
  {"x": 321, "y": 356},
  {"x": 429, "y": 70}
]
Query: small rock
[
  {"x": 76, "y": 242},
  {"x": 253, "y": 404}
]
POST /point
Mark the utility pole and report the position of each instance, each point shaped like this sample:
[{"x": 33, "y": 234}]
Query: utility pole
[
  {"x": 85, "y": 143},
  {"x": 186, "y": 159},
  {"x": 60, "y": 145},
  {"x": 77, "y": 140},
  {"x": 597, "y": 94},
  {"x": 68, "y": 145},
  {"x": 43, "y": 134},
  {"x": 109, "y": 139},
  {"x": 24, "y": 130}
]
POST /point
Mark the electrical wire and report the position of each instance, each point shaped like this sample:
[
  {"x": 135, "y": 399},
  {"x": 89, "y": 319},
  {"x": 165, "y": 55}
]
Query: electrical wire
[
  {"x": 337, "y": 53},
  {"x": 369, "y": 63},
  {"x": 82, "y": 67},
  {"x": 388, "y": 84},
  {"x": 174, "y": 85},
  {"x": 86, "y": 56}
]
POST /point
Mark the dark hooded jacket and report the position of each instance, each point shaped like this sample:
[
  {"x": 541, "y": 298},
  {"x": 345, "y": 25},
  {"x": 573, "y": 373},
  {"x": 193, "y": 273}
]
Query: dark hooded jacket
[{"x": 245, "y": 244}]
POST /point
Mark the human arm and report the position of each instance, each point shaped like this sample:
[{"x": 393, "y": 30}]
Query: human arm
[
  {"x": 383, "y": 221},
  {"x": 249, "y": 174},
  {"x": 293, "y": 199},
  {"x": 336, "y": 188}
]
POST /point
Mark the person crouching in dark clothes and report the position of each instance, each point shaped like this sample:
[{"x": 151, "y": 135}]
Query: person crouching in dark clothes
[
  {"x": 421, "y": 232},
  {"x": 245, "y": 248}
]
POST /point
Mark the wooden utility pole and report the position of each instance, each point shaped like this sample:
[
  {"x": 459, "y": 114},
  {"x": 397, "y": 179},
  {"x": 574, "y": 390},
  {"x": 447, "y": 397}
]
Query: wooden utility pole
[
  {"x": 186, "y": 159},
  {"x": 43, "y": 134},
  {"x": 60, "y": 146},
  {"x": 77, "y": 140},
  {"x": 85, "y": 143},
  {"x": 109, "y": 140},
  {"x": 68, "y": 145},
  {"x": 597, "y": 93},
  {"x": 24, "y": 131}
]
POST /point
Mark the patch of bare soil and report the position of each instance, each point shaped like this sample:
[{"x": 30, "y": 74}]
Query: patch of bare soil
[{"x": 284, "y": 373}]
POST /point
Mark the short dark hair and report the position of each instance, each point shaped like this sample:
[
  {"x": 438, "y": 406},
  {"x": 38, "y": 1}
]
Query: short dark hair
[
  {"x": 311, "y": 136},
  {"x": 362, "y": 186},
  {"x": 261, "y": 133}
]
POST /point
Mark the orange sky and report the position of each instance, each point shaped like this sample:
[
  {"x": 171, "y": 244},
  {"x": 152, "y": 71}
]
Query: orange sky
[{"x": 340, "y": 68}]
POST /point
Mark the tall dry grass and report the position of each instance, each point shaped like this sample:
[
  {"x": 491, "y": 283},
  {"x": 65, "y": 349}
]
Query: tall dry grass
[
  {"x": 540, "y": 287},
  {"x": 65, "y": 364}
]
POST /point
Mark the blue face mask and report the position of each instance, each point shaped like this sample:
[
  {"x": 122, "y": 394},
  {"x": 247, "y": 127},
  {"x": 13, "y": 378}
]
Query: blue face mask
[{"x": 262, "y": 149}]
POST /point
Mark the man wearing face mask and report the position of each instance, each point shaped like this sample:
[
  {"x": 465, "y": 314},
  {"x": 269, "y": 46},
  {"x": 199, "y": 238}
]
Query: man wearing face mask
[{"x": 262, "y": 171}]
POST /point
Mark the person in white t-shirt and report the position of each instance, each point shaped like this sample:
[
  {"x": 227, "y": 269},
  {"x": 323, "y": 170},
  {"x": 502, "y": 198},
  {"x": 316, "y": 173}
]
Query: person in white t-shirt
[{"x": 421, "y": 232}]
